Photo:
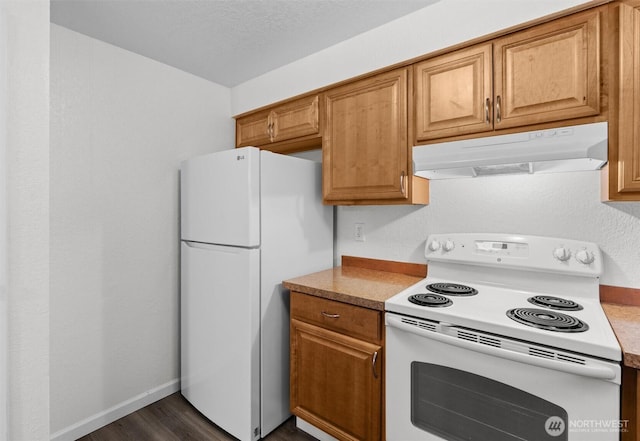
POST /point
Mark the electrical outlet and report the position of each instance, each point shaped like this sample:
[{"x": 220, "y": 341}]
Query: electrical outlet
[{"x": 358, "y": 232}]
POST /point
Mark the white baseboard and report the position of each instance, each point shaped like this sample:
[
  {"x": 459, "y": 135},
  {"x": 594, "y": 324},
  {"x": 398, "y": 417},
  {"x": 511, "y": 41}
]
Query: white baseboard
[
  {"x": 313, "y": 430},
  {"x": 116, "y": 412}
]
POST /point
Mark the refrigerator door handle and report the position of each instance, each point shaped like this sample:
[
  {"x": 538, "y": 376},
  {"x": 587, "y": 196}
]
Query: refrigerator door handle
[
  {"x": 213, "y": 246},
  {"x": 200, "y": 245}
]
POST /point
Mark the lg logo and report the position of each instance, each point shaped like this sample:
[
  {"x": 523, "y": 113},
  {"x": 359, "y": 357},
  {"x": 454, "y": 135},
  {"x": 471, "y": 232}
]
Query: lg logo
[
  {"x": 239, "y": 157},
  {"x": 555, "y": 426}
]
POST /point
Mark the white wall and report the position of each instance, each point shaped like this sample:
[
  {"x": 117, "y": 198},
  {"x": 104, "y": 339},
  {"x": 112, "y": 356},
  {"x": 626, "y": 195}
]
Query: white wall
[
  {"x": 120, "y": 125},
  {"x": 563, "y": 205},
  {"x": 4, "y": 328},
  {"x": 24, "y": 141}
]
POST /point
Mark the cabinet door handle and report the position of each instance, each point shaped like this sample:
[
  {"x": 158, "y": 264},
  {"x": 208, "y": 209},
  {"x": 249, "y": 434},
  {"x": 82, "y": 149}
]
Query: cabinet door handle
[
  {"x": 271, "y": 125},
  {"x": 333, "y": 316},
  {"x": 402, "y": 179},
  {"x": 373, "y": 364},
  {"x": 270, "y": 131},
  {"x": 487, "y": 116},
  {"x": 498, "y": 112}
]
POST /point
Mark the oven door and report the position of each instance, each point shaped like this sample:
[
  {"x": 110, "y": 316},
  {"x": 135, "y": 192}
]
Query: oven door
[{"x": 449, "y": 383}]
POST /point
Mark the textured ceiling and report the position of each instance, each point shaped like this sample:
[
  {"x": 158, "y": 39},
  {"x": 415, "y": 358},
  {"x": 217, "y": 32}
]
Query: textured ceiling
[{"x": 227, "y": 41}]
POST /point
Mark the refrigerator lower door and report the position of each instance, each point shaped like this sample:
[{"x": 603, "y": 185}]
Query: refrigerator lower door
[{"x": 220, "y": 314}]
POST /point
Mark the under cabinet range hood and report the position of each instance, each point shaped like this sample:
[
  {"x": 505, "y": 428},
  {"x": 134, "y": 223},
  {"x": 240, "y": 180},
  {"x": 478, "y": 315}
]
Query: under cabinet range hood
[{"x": 572, "y": 148}]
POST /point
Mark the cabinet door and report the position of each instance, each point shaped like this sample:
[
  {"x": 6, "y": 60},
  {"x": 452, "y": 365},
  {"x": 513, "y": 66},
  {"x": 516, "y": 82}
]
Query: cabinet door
[
  {"x": 365, "y": 150},
  {"x": 296, "y": 119},
  {"x": 454, "y": 93},
  {"x": 548, "y": 73},
  {"x": 629, "y": 117},
  {"x": 254, "y": 130},
  {"x": 336, "y": 382}
]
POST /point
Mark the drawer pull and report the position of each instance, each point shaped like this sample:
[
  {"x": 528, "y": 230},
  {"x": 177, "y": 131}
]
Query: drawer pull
[
  {"x": 373, "y": 364},
  {"x": 333, "y": 316}
]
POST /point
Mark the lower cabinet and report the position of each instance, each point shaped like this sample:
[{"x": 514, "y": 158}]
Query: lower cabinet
[
  {"x": 630, "y": 404},
  {"x": 337, "y": 367}
]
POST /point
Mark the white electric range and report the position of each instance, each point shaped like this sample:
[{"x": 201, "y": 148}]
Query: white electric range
[{"x": 504, "y": 340}]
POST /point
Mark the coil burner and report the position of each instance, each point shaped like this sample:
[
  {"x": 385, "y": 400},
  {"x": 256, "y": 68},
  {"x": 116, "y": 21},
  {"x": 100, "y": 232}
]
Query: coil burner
[
  {"x": 432, "y": 300},
  {"x": 547, "y": 320},
  {"x": 555, "y": 303},
  {"x": 452, "y": 289}
]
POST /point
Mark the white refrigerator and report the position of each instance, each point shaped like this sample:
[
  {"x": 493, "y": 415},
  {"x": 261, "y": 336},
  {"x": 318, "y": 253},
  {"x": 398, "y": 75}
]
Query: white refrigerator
[{"x": 249, "y": 219}]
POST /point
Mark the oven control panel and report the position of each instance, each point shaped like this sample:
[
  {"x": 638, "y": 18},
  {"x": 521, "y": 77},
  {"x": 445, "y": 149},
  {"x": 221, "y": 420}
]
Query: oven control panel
[
  {"x": 535, "y": 253},
  {"x": 501, "y": 248}
]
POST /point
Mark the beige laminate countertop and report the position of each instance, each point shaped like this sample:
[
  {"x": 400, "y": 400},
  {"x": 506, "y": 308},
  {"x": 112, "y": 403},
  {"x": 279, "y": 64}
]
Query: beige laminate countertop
[
  {"x": 625, "y": 321},
  {"x": 354, "y": 285}
]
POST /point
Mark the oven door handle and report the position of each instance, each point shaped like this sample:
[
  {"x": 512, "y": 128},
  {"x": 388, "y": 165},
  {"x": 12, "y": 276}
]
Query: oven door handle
[{"x": 600, "y": 372}]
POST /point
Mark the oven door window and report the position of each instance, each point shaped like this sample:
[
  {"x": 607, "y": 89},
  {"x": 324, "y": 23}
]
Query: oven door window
[{"x": 458, "y": 405}]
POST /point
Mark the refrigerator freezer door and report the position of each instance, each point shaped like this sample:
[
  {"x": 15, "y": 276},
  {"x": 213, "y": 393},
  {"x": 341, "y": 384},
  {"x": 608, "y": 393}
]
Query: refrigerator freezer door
[
  {"x": 220, "y": 198},
  {"x": 297, "y": 238},
  {"x": 220, "y": 335}
]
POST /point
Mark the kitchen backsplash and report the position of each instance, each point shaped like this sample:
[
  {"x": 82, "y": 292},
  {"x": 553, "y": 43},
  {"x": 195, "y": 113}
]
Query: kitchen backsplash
[{"x": 565, "y": 205}]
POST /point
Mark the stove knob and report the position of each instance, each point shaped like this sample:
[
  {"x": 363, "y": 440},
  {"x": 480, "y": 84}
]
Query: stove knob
[
  {"x": 448, "y": 245},
  {"x": 585, "y": 257},
  {"x": 562, "y": 254},
  {"x": 434, "y": 245}
]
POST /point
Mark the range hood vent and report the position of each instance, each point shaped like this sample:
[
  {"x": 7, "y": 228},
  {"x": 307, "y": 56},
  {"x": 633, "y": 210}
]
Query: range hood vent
[{"x": 572, "y": 148}]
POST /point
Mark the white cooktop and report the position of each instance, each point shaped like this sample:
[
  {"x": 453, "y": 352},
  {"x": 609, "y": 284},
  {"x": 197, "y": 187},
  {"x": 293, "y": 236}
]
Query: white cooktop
[{"x": 506, "y": 270}]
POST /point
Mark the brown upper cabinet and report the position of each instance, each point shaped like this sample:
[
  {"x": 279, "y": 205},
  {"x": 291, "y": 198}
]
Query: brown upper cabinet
[
  {"x": 283, "y": 128},
  {"x": 622, "y": 182},
  {"x": 550, "y": 72},
  {"x": 454, "y": 93},
  {"x": 366, "y": 155}
]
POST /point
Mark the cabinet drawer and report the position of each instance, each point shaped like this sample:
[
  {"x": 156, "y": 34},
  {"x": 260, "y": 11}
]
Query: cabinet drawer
[{"x": 337, "y": 316}]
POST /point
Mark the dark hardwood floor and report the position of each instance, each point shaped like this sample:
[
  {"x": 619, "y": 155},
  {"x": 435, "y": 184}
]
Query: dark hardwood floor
[{"x": 174, "y": 419}]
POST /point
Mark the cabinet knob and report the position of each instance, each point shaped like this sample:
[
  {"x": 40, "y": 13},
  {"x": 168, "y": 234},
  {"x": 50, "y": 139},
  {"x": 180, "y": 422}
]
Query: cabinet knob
[
  {"x": 498, "y": 110},
  {"x": 402, "y": 179}
]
